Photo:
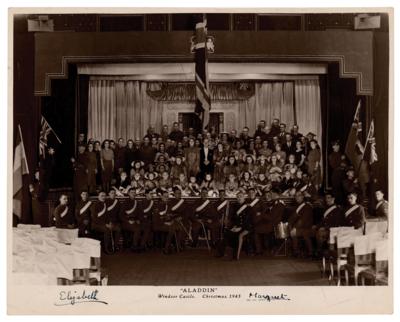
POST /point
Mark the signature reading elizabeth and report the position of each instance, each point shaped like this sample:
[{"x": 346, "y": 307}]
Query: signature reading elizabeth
[{"x": 76, "y": 297}]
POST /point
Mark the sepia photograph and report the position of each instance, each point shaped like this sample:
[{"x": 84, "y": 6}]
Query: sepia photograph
[{"x": 215, "y": 155}]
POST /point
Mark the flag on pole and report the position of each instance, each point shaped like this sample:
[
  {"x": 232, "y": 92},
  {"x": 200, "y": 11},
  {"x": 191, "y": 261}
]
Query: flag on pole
[
  {"x": 45, "y": 130},
  {"x": 354, "y": 148},
  {"x": 370, "y": 154},
  {"x": 203, "y": 98},
  {"x": 20, "y": 168}
]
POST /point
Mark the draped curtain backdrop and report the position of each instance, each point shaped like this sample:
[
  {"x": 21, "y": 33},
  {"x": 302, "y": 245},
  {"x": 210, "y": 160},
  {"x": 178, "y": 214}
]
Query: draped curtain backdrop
[
  {"x": 308, "y": 107},
  {"x": 124, "y": 108}
]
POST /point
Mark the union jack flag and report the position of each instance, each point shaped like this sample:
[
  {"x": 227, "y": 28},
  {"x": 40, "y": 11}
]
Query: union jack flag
[
  {"x": 203, "y": 97},
  {"x": 45, "y": 130},
  {"x": 370, "y": 154}
]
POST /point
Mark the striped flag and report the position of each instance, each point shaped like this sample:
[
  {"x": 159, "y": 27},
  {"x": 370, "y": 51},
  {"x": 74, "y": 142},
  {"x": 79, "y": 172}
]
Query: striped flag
[
  {"x": 203, "y": 99},
  {"x": 370, "y": 154},
  {"x": 354, "y": 148},
  {"x": 20, "y": 169},
  {"x": 45, "y": 130}
]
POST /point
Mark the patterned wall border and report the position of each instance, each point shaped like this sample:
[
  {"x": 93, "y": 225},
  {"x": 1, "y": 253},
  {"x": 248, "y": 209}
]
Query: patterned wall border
[{"x": 65, "y": 60}]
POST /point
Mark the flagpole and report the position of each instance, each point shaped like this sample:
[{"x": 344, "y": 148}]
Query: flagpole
[
  {"x": 52, "y": 130},
  {"x": 23, "y": 148}
]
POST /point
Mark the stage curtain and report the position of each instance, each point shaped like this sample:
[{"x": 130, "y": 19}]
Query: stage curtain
[
  {"x": 308, "y": 107},
  {"x": 102, "y": 109},
  {"x": 271, "y": 100},
  {"x": 121, "y": 109}
]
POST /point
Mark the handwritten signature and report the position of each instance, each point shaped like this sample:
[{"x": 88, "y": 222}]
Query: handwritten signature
[
  {"x": 268, "y": 297},
  {"x": 76, "y": 297}
]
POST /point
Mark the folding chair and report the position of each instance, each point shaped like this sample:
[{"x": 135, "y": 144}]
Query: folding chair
[
  {"x": 378, "y": 274},
  {"x": 361, "y": 259},
  {"x": 331, "y": 253},
  {"x": 345, "y": 241}
]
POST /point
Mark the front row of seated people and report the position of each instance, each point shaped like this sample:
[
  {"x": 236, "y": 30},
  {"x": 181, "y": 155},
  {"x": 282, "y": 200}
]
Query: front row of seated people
[{"x": 177, "y": 222}]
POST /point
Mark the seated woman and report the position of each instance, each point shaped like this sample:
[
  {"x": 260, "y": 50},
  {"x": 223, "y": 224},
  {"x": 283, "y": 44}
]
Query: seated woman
[
  {"x": 231, "y": 167},
  {"x": 248, "y": 165},
  {"x": 193, "y": 188},
  {"x": 231, "y": 186},
  {"x": 246, "y": 181},
  {"x": 262, "y": 184},
  {"x": 280, "y": 155},
  {"x": 122, "y": 184},
  {"x": 291, "y": 164},
  {"x": 177, "y": 168},
  {"x": 275, "y": 165},
  {"x": 261, "y": 166}
]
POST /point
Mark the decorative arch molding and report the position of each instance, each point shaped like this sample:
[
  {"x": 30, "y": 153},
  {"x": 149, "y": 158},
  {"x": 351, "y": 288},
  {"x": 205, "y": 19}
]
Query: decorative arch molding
[{"x": 352, "y": 51}]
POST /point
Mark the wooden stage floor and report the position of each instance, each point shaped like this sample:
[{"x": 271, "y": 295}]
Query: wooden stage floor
[{"x": 198, "y": 267}]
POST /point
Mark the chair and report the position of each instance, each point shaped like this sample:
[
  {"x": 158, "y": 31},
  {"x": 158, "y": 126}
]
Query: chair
[
  {"x": 360, "y": 260},
  {"x": 345, "y": 241},
  {"x": 378, "y": 274},
  {"x": 331, "y": 253}
]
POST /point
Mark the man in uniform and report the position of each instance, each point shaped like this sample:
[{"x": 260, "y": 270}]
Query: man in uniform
[
  {"x": 79, "y": 166},
  {"x": 337, "y": 164},
  {"x": 162, "y": 222},
  {"x": 179, "y": 210},
  {"x": 205, "y": 217},
  {"x": 254, "y": 209},
  {"x": 332, "y": 217},
  {"x": 300, "y": 224},
  {"x": 130, "y": 220},
  {"x": 82, "y": 214},
  {"x": 113, "y": 210},
  {"x": 222, "y": 206},
  {"x": 63, "y": 213},
  {"x": 237, "y": 228},
  {"x": 100, "y": 221},
  {"x": 382, "y": 206},
  {"x": 354, "y": 215},
  {"x": 270, "y": 216},
  {"x": 146, "y": 214}
]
